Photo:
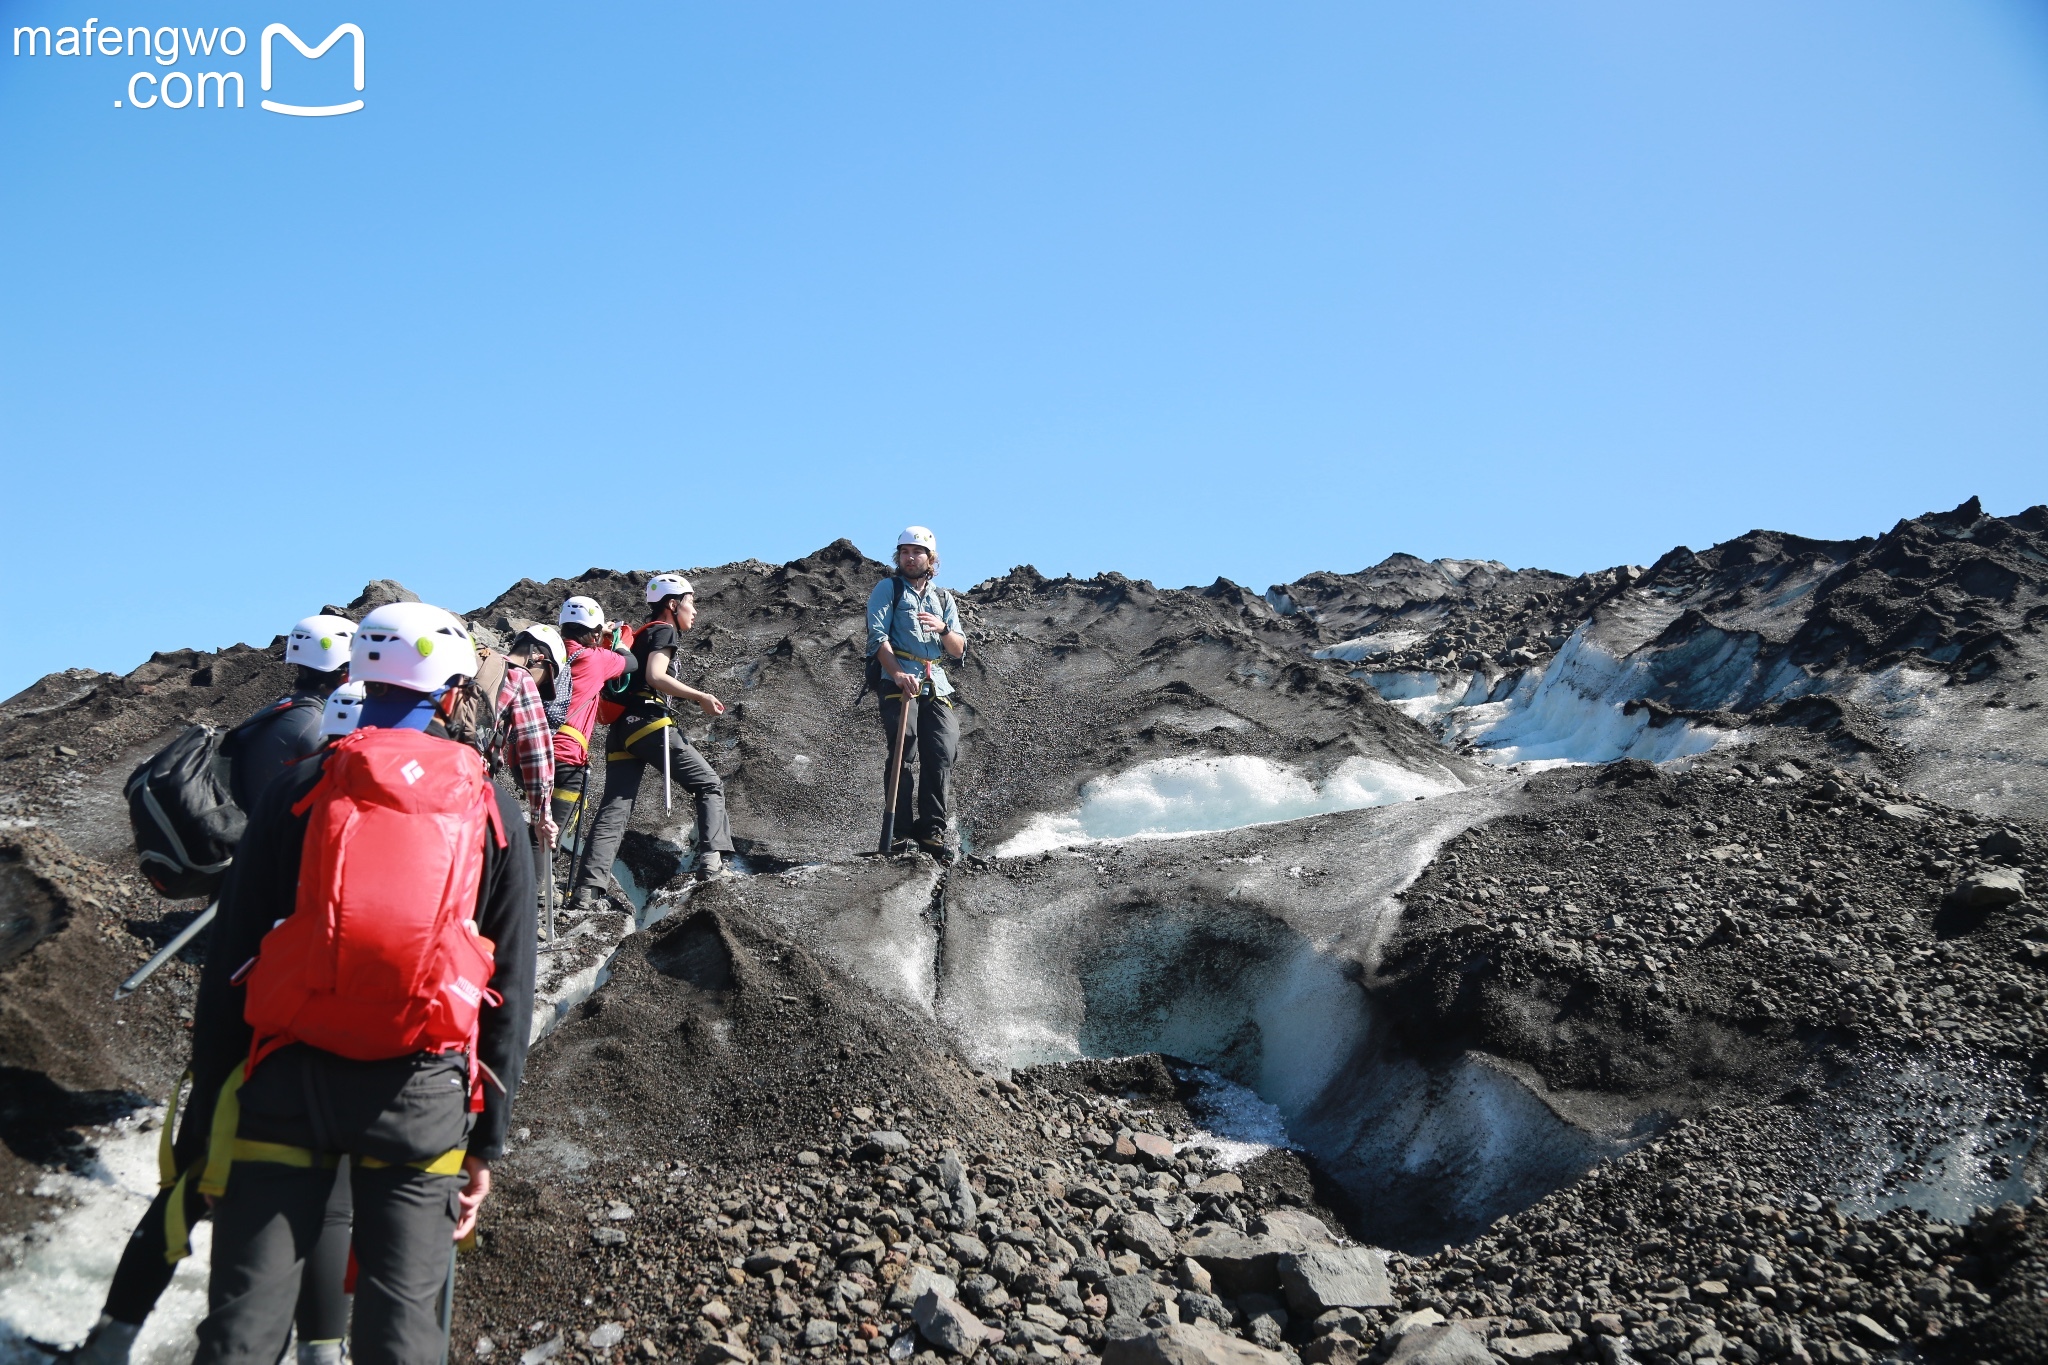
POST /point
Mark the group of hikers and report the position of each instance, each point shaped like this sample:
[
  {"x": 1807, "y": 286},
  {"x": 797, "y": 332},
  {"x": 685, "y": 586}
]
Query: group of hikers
[{"x": 363, "y": 1012}]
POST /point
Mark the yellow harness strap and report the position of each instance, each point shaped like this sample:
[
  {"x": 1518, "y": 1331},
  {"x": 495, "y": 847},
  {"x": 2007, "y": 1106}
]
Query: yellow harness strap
[
  {"x": 646, "y": 730},
  {"x": 220, "y": 1145},
  {"x": 448, "y": 1163},
  {"x": 563, "y": 794},
  {"x": 565, "y": 728},
  {"x": 166, "y": 1158},
  {"x": 177, "y": 1235}
]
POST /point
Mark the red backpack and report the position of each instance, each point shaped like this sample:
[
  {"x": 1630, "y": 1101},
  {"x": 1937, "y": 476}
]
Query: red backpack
[
  {"x": 380, "y": 956},
  {"x": 609, "y": 710}
]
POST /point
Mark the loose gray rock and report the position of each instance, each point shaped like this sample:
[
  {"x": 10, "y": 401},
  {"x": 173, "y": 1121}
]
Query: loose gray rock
[
  {"x": 1988, "y": 890},
  {"x": 916, "y": 1284},
  {"x": 1443, "y": 1343},
  {"x": 1757, "y": 1270},
  {"x": 967, "y": 1249},
  {"x": 606, "y": 1336},
  {"x": 958, "y": 1189},
  {"x": 1347, "y": 1277},
  {"x": 1184, "y": 1343},
  {"x": 1538, "y": 1348},
  {"x": 1006, "y": 1263},
  {"x": 1130, "y": 1296},
  {"x": 820, "y": 1332},
  {"x": 883, "y": 1145},
  {"x": 948, "y": 1325},
  {"x": 1144, "y": 1234}
]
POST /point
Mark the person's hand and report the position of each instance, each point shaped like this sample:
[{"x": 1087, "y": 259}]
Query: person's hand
[
  {"x": 931, "y": 622},
  {"x": 710, "y": 705},
  {"x": 907, "y": 683},
  {"x": 550, "y": 834},
  {"x": 471, "y": 1198}
]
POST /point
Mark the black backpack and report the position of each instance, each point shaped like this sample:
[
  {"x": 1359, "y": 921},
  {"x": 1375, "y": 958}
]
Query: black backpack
[{"x": 185, "y": 819}]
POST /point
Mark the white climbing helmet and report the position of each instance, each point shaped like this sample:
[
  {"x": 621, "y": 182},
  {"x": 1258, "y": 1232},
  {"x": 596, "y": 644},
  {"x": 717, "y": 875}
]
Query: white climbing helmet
[
  {"x": 581, "y": 611},
  {"x": 550, "y": 639},
  {"x": 344, "y": 708},
  {"x": 410, "y": 644},
  {"x": 919, "y": 535},
  {"x": 320, "y": 643},
  {"x": 666, "y": 585}
]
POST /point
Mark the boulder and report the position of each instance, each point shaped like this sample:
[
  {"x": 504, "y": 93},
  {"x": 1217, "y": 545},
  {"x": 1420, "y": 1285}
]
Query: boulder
[
  {"x": 883, "y": 1146},
  {"x": 949, "y": 1326},
  {"x": 1223, "y": 1183},
  {"x": 1537, "y": 1348},
  {"x": 1342, "y": 1277},
  {"x": 917, "y": 1283},
  {"x": 1443, "y": 1343},
  {"x": 1186, "y": 1343},
  {"x": 1241, "y": 1264},
  {"x": 1130, "y": 1296},
  {"x": 1333, "y": 1348},
  {"x": 1989, "y": 890},
  {"x": 1144, "y": 1234},
  {"x": 953, "y": 1180}
]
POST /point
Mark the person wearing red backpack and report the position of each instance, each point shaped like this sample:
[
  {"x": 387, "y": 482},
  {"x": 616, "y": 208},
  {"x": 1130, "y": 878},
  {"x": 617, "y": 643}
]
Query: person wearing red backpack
[{"x": 366, "y": 998}]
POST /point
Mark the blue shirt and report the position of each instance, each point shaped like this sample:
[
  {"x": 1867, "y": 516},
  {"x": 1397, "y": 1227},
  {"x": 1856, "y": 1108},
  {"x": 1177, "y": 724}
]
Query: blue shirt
[{"x": 910, "y": 641}]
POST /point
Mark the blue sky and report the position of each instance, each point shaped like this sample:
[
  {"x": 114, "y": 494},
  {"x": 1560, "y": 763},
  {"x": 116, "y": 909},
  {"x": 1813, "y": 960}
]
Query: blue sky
[{"x": 1176, "y": 289}]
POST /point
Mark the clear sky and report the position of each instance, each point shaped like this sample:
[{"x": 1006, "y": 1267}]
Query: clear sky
[{"x": 1179, "y": 289}]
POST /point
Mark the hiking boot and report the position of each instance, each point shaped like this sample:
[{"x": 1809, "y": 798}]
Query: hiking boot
[
  {"x": 320, "y": 1353},
  {"x": 936, "y": 850},
  {"x": 107, "y": 1344},
  {"x": 710, "y": 864},
  {"x": 586, "y": 899}
]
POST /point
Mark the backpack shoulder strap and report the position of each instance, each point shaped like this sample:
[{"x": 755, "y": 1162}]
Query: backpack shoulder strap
[{"x": 490, "y": 679}]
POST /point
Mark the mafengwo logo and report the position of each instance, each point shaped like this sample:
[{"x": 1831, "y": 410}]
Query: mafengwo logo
[{"x": 178, "y": 48}]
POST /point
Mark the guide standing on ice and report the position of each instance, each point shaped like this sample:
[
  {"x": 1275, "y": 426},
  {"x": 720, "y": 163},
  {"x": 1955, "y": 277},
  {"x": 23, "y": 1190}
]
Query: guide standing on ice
[{"x": 912, "y": 625}]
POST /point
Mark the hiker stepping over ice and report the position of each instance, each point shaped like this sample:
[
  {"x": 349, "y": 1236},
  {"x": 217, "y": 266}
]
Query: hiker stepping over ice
[
  {"x": 646, "y": 738},
  {"x": 368, "y": 996},
  {"x": 913, "y": 625}
]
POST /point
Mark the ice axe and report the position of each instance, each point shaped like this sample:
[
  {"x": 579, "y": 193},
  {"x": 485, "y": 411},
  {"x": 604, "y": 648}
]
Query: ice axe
[
  {"x": 895, "y": 774},
  {"x": 667, "y": 796},
  {"x": 167, "y": 952}
]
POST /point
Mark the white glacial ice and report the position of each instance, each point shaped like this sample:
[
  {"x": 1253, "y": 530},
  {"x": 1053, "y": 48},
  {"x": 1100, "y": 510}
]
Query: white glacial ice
[
  {"x": 1572, "y": 710},
  {"x": 58, "y": 1271},
  {"x": 1171, "y": 796}
]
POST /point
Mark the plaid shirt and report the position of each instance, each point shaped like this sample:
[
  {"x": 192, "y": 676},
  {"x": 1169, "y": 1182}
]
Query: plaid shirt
[{"x": 524, "y": 740}]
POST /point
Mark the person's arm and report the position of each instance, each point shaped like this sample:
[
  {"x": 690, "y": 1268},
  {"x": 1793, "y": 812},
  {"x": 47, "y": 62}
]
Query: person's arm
[
  {"x": 262, "y": 888},
  {"x": 505, "y": 917},
  {"x": 659, "y": 678},
  {"x": 951, "y": 638},
  {"x": 531, "y": 746}
]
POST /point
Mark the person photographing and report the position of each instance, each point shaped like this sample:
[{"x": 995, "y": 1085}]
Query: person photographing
[{"x": 913, "y": 625}]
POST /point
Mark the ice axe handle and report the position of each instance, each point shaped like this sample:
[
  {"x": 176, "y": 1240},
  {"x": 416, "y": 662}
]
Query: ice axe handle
[
  {"x": 895, "y": 776},
  {"x": 167, "y": 952}
]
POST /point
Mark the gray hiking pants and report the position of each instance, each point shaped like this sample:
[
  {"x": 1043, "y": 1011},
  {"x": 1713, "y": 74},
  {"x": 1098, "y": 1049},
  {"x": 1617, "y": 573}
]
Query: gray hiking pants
[
  {"x": 925, "y": 790},
  {"x": 635, "y": 756},
  {"x": 266, "y": 1227}
]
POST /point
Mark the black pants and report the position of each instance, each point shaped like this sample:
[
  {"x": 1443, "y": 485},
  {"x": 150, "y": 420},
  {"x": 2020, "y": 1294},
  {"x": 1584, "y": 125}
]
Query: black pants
[
  {"x": 639, "y": 740},
  {"x": 928, "y": 753},
  {"x": 145, "y": 1270},
  {"x": 267, "y": 1228}
]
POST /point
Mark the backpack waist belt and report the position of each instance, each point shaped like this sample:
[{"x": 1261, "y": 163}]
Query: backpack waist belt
[
  {"x": 565, "y": 728},
  {"x": 625, "y": 750}
]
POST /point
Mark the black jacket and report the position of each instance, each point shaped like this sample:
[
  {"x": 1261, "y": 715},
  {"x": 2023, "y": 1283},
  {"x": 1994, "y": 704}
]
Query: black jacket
[
  {"x": 267, "y": 745},
  {"x": 399, "y": 1110}
]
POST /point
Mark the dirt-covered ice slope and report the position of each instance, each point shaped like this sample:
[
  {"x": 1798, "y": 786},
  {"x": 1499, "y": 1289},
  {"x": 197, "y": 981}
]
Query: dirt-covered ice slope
[{"x": 1927, "y": 638}]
